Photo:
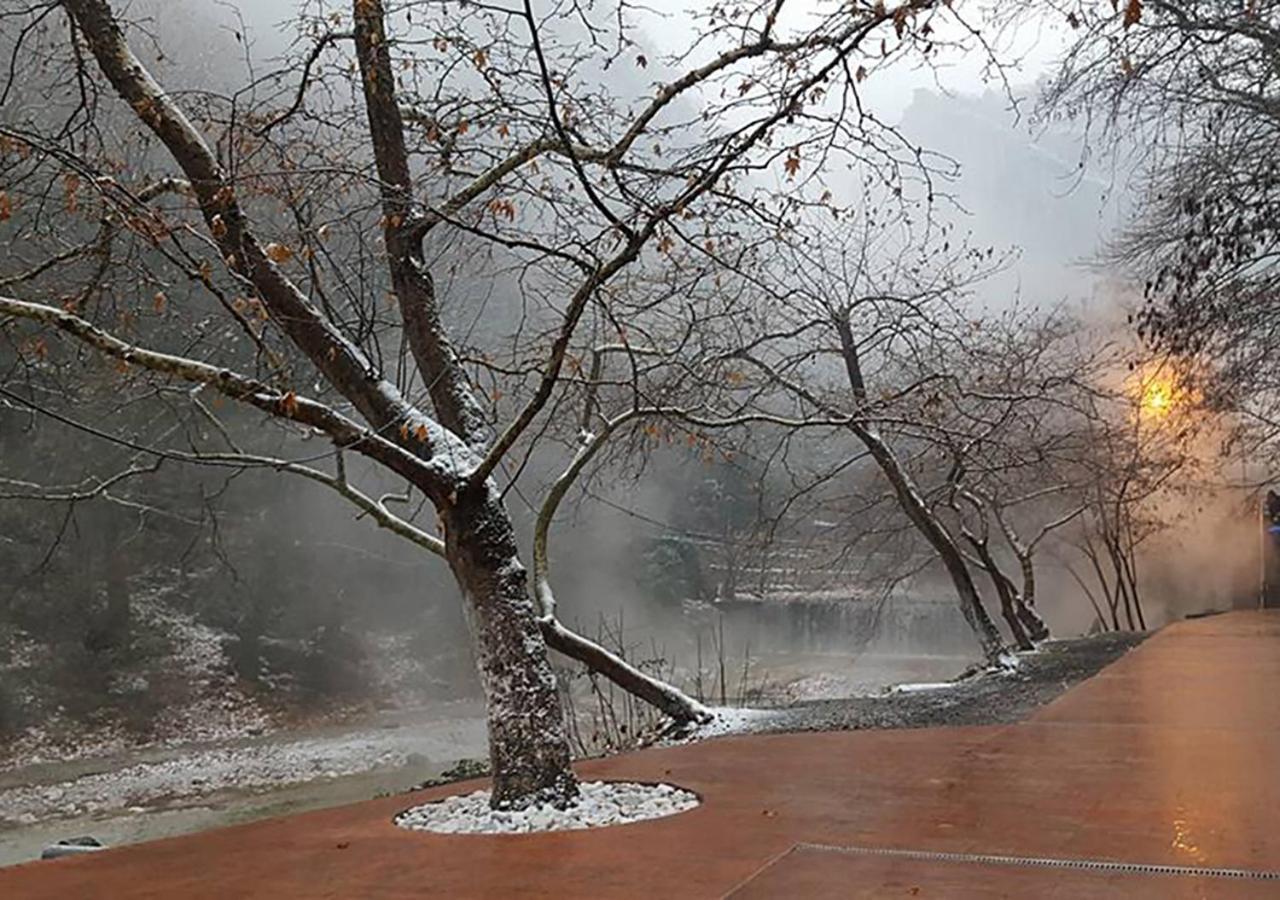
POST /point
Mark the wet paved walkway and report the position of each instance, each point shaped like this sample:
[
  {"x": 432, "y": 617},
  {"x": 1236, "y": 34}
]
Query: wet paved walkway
[{"x": 1170, "y": 757}]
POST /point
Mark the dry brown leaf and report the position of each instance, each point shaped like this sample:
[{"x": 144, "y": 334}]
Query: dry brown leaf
[
  {"x": 1132, "y": 13},
  {"x": 278, "y": 253}
]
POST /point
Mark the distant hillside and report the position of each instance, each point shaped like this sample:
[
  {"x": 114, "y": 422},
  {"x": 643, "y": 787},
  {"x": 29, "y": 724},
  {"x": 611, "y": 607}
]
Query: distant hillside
[{"x": 1020, "y": 187}]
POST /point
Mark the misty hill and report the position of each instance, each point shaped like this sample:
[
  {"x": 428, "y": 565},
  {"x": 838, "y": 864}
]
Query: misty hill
[{"x": 1021, "y": 185}]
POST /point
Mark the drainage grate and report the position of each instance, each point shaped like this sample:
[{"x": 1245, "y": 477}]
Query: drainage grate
[{"x": 1094, "y": 865}]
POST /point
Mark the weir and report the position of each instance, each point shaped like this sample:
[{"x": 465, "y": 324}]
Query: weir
[{"x": 835, "y": 622}]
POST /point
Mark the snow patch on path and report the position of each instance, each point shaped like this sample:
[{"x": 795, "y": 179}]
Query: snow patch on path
[
  {"x": 600, "y": 803},
  {"x": 921, "y": 686},
  {"x": 733, "y": 720}
]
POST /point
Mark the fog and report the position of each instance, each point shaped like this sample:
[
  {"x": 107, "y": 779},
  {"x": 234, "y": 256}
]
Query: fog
[{"x": 274, "y": 559}]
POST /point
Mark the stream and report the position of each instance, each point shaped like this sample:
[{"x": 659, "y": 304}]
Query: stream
[{"x": 159, "y": 792}]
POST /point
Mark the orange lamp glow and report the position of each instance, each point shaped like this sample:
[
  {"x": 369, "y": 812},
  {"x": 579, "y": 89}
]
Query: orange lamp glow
[{"x": 1157, "y": 397}]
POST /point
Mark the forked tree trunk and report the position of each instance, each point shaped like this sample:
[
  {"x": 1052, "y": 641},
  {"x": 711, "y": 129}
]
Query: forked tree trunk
[
  {"x": 1009, "y": 612},
  {"x": 1036, "y": 627},
  {"x": 970, "y": 601},
  {"x": 1007, "y": 594},
  {"x": 528, "y": 746}
]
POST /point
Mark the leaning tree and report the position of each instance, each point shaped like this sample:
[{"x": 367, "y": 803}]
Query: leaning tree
[
  {"x": 862, "y": 309},
  {"x": 353, "y": 233}
]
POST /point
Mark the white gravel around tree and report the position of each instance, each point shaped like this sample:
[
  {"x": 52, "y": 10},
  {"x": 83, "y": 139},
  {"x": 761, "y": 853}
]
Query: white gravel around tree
[{"x": 600, "y": 803}]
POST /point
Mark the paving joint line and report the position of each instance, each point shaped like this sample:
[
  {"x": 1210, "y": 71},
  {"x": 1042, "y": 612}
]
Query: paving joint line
[{"x": 1047, "y": 862}]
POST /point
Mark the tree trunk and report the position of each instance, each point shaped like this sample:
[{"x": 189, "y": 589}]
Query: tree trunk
[
  {"x": 1112, "y": 598},
  {"x": 928, "y": 525},
  {"x": 915, "y": 507},
  {"x": 1131, "y": 574},
  {"x": 528, "y": 745},
  {"x": 1122, "y": 587},
  {"x": 442, "y": 375},
  {"x": 1025, "y": 600},
  {"x": 683, "y": 709},
  {"x": 1008, "y": 612},
  {"x": 1007, "y": 594},
  {"x": 118, "y": 620},
  {"x": 1026, "y": 603},
  {"x": 1036, "y": 627}
]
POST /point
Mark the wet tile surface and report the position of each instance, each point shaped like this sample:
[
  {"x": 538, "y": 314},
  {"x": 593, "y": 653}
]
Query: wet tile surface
[
  {"x": 1169, "y": 756},
  {"x": 830, "y": 875}
]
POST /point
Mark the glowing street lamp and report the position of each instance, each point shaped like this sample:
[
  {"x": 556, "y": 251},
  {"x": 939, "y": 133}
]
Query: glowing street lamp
[{"x": 1157, "y": 397}]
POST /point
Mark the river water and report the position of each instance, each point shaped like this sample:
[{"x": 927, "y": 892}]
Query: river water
[{"x": 152, "y": 793}]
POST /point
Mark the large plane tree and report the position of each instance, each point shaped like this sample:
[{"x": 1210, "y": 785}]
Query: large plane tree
[{"x": 333, "y": 234}]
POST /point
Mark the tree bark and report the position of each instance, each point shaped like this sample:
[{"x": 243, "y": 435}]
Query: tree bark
[
  {"x": 1036, "y": 626},
  {"x": 1131, "y": 572},
  {"x": 528, "y": 746},
  {"x": 1025, "y": 600},
  {"x": 1007, "y": 594},
  {"x": 1012, "y": 608}
]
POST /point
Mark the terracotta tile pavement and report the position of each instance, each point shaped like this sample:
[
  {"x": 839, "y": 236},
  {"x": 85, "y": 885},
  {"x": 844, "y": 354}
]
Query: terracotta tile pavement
[{"x": 1169, "y": 756}]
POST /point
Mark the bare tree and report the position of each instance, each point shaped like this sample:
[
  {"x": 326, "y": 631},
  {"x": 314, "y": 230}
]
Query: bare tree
[
  {"x": 502, "y": 150},
  {"x": 1010, "y": 426},
  {"x": 1186, "y": 93},
  {"x": 878, "y": 296},
  {"x": 1141, "y": 449}
]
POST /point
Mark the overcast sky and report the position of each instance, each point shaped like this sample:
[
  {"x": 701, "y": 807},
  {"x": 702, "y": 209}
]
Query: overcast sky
[
  {"x": 1030, "y": 49},
  {"x": 1016, "y": 189}
]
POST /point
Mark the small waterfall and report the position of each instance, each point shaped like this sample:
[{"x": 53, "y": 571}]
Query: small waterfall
[{"x": 829, "y": 623}]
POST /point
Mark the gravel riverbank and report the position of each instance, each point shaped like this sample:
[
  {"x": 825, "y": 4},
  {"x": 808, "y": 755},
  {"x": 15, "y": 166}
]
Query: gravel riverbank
[{"x": 985, "y": 697}]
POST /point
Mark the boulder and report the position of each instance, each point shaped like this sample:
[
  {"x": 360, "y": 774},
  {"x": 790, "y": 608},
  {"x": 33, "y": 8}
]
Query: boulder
[{"x": 72, "y": 847}]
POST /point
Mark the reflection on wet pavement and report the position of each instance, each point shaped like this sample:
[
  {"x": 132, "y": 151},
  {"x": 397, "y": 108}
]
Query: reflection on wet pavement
[{"x": 1166, "y": 758}]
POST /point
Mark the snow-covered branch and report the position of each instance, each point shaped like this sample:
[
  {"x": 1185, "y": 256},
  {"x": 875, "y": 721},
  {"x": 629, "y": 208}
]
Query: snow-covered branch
[{"x": 284, "y": 404}]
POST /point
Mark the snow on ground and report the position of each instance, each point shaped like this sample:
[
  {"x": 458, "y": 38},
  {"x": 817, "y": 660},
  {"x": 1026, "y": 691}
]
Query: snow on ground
[
  {"x": 823, "y": 686},
  {"x": 213, "y": 705},
  {"x": 599, "y": 804},
  {"x": 220, "y": 708},
  {"x": 169, "y": 777},
  {"x": 733, "y": 720},
  {"x": 49, "y": 741},
  {"x": 1011, "y": 662},
  {"x": 813, "y": 677},
  {"x": 196, "y": 773},
  {"x": 921, "y": 686}
]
